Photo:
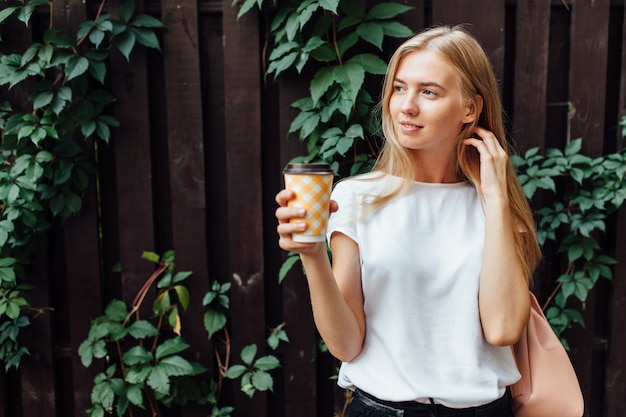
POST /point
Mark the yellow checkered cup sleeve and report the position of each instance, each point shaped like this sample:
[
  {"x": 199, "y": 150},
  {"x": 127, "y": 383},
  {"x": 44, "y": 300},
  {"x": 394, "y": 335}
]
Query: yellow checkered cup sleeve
[{"x": 312, "y": 192}]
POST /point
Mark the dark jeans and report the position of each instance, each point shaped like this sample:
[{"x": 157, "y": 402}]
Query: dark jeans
[{"x": 365, "y": 405}]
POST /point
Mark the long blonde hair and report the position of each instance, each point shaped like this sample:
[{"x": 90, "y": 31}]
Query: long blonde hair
[{"x": 456, "y": 46}]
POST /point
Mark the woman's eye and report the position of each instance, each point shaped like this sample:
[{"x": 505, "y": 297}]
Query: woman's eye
[
  {"x": 398, "y": 88},
  {"x": 429, "y": 93}
]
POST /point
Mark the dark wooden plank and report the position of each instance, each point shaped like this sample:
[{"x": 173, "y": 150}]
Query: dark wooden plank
[
  {"x": 531, "y": 72},
  {"x": 588, "y": 44},
  {"x": 487, "y": 19},
  {"x": 242, "y": 78},
  {"x": 185, "y": 192},
  {"x": 616, "y": 363},
  {"x": 558, "y": 71},
  {"x": 3, "y": 396},
  {"x": 587, "y": 82},
  {"x": 300, "y": 385},
  {"x": 37, "y": 369},
  {"x": 82, "y": 272},
  {"x": 130, "y": 169}
]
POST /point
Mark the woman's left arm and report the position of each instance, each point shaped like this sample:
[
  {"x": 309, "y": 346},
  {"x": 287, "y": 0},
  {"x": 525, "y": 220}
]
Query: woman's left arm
[{"x": 503, "y": 297}]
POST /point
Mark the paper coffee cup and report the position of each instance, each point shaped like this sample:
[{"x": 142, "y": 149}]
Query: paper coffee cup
[{"x": 311, "y": 184}]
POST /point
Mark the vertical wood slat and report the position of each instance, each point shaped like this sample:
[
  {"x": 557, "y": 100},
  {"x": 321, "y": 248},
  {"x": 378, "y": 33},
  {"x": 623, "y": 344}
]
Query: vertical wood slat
[
  {"x": 131, "y": 169},
  {"x": 184, "y": 123},
  {"x": 299, "y": 366},
  {"x": 82, "y": 268},
  {"x": 588, "y": 59},
  {"x": 242, "y": 75},
  {"x": 531, "y": 72},
  {"x": 38, "y": 385},
  {"x": 588, "y": 44},
  {"x": 616, "y": 361}
]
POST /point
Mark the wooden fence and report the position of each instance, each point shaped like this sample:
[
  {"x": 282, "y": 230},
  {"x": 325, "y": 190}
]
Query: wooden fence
[{"x": 197, "y": 160}]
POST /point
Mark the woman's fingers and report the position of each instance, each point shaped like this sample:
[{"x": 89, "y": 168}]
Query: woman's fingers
[{"x": 493, "y": 162}]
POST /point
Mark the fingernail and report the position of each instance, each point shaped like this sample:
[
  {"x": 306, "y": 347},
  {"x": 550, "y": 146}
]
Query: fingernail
[{"x": 301, "y": 212}]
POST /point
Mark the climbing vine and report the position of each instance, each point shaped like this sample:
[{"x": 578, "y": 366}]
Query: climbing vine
[
  {"x": 586, "y": 192},
  {"x": 44, "y": 168}
]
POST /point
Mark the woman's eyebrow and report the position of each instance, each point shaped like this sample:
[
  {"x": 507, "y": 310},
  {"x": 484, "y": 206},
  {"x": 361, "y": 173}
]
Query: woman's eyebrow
[{"x": 422, "y": 83}]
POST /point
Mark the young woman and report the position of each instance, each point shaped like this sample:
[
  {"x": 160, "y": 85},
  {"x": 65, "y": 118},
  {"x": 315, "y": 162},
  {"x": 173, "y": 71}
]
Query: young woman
[{"x": 433, "y": 250}]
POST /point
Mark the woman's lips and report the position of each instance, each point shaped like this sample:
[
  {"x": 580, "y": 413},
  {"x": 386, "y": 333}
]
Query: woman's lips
[{"x": 409, "y": 127}]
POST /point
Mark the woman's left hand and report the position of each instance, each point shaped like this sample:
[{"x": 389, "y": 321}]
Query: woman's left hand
[{"x": 493, "y": 164}]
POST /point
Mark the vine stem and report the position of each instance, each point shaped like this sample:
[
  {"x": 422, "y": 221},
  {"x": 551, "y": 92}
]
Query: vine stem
[
  {"x": 556, "y": 289},
  {"x": 222, "y": 366},
  {"x": 144, "y": 291},
  {"x": 335, "y": 41}
]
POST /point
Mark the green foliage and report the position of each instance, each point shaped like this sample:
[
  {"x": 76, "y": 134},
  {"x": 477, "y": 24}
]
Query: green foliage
[
  {"x": 152, "y": 369},
  {"x": 254, "y": 371},
  {"x": 151, "y": 365},
  {"x": 330, "y": 37},
  {"x": 217, "y": 304},
  {"x": 586, "y": 192},
  {"x": 44, "y": 168}
]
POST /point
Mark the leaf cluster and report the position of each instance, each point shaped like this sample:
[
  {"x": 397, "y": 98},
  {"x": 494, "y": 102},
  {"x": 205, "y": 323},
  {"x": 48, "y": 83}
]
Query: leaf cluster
[
  {"x": 150, "y": 365},
  {"x": 45, "y": 167},
  {"x": 333, "y": 39},
  {"x": 145, "y": 361},
  {"x": 586, "y": 192}
]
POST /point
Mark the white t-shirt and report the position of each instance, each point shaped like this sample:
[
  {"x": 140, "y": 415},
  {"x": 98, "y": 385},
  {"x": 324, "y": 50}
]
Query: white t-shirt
[{"x": 421, "y": 256}]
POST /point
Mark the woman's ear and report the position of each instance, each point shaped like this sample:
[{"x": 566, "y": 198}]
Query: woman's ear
[{"x": 473, "y": 109}]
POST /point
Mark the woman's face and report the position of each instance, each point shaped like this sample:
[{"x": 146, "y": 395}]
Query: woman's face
[{"x": 426, "y": 104}]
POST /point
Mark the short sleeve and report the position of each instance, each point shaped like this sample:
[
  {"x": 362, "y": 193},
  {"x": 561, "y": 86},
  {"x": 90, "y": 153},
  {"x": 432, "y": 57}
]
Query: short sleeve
[{"x": 344, "y": 219}]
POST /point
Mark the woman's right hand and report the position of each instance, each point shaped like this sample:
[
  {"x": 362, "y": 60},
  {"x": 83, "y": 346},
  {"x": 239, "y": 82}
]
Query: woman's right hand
[{"x": 285, "y": 228}]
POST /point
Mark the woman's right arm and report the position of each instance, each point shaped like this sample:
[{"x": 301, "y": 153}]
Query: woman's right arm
[{"x": 336, "y": 295}]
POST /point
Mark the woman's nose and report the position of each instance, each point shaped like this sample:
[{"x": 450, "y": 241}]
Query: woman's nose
[{"x": 409, "y": 105}]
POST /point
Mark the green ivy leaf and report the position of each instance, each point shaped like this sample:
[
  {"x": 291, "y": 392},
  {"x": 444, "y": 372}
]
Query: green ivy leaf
[
  {"x": 159, "y": 381},
  {"x": 371, "y": 63},
  {"x": 116, "y": 311},
  {"x": 214, "y": 321},
  {"x": 137, "y": 355},
  {"x": 248, "y": 353},
  {"x": 387, "y": 11},
  {"x": 147, "y": 38},
  {"x": 396, "y": 29},
  {"x": 126, "y": 11},
  {"x": 146, "y": 21},
  {"x": 267, "y": 363},
  {"x": 262, "y": 381},
  {"x": 43, "y": 99},
  {"x": 170, "y": 347},
  {"x": 76, "y": 66},
  {"x": 134, "y": 395},
  {"x": 235, "y": 371},
  {"x": 175, "y": 366},
  {"x": 183, "y": 296},
  {"x": 287, "y": 265},
  {"x": 142, "y": 329},
  {"x": 371, "y": 33},
  {"x": 125, "y": 43}
]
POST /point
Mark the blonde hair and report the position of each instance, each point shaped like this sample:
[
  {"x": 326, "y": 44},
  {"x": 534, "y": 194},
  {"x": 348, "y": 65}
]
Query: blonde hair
[{"x": 456, "y": 46}]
